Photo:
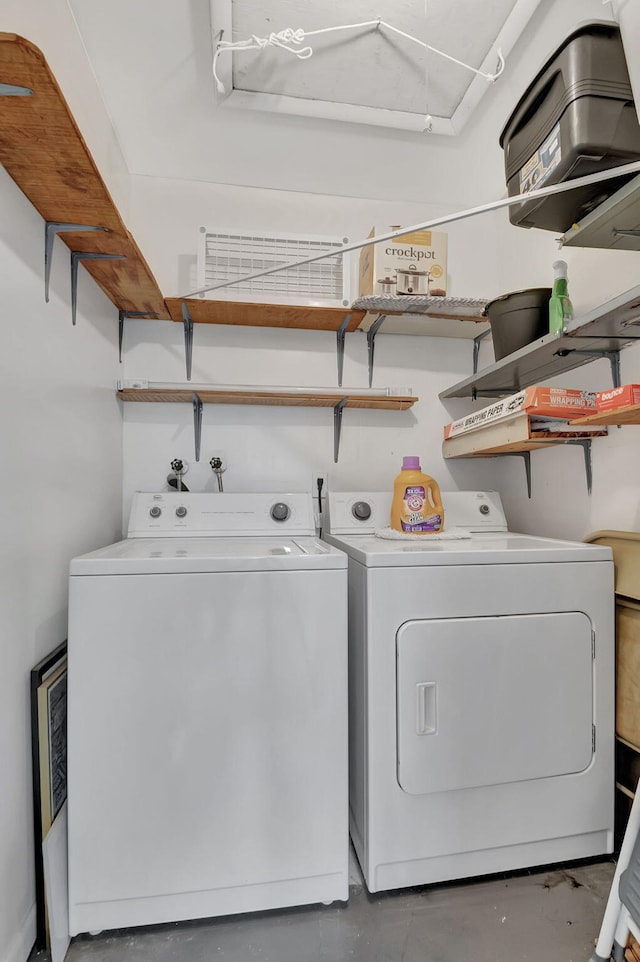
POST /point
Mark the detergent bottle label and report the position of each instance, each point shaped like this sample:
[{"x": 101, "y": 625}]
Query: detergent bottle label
[{"x": 417, "y": 512}]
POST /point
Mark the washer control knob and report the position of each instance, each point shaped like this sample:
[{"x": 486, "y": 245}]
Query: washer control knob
[
  {"x": 280, "y": 511},
  {"x": 155, "y": 511},
  {"x": 361, "y": 510},
  {"x": 484, "y": 509},
  {"x": 181, "y": 511}
]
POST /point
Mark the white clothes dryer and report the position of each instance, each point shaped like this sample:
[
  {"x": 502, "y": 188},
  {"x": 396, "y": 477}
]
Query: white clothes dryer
[
  {"x": 207, "y": 714},
  {"x": 481, "y": 687}
]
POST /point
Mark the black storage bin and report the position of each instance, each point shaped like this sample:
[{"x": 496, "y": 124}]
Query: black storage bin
[{"x": 576, "y": 118}]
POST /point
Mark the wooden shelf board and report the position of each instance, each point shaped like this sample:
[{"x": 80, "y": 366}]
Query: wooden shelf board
[
  {"x": 283, "y": 399},
  {"x": 630, "y": 414},
  {"x": 263, "y": 315},
  {"x": 623, "y": 741},
  {"x": 44, "y": 152},
  {"x": 511, "y": 436}
]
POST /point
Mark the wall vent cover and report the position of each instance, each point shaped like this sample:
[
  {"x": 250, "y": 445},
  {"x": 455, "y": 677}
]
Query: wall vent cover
[{"x": 226, "y": 255}]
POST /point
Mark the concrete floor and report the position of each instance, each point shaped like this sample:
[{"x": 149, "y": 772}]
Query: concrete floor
[{"x": 550, "y": 915}]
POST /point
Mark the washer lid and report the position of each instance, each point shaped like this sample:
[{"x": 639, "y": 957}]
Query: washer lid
[
  {"x": 486, "y": 547},
  {"x": 187, "y": 555}
]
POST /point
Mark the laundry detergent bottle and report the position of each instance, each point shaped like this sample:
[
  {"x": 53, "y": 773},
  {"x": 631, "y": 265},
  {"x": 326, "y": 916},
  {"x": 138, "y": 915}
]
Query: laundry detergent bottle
[{"x": 417, "y": 505}]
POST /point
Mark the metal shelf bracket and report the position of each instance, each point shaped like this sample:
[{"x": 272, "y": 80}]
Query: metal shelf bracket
[
  {"x": 371, "y": 342},
  {"x": 197, "y": 423},
  {"x": 76, "y": 257},
  {"x": 340, "y": 336},
  {"x": 12, "y": 90},
  {"x": 612, "y": 356},
  {"x": 476, "y": 348},
  {"x": 585, "y": 444},
  {"x": 51, "y": 228},
  {"x": 121, "y": 318},
  {"x": 337, "y": 427},
  {"x": 526, "y": 456},
  {"x": 187, "y": 322}
]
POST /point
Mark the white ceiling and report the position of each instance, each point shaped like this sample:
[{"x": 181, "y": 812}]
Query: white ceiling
[
  {"x": 369, "y": 67},
  {"x": 153, "y": 63}
]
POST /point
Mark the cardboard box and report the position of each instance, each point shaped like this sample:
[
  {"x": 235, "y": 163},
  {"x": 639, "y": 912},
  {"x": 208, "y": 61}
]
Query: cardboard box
[
  {"x": 518, "y": 432},
  {"x": 536, "y": 402},
  {"x": 618, "y": 397},
  {"x": 421, "y": 250}
]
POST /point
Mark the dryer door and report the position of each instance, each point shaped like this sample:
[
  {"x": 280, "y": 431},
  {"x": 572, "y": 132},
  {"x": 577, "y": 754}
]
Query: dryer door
[{"x": 484, "y": 701}]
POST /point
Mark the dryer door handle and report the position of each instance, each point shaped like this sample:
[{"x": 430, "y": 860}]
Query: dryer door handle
[{"x": 426, "y": 701}]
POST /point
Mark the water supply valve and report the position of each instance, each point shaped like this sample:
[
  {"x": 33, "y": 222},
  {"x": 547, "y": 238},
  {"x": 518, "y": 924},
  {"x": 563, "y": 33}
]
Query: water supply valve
[
  {"x": 218, "y": 467},
  {"x": 175, "y": 480}
]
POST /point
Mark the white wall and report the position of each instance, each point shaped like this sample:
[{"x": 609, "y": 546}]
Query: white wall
[
  {"x": 61, "y": 430},
  {"x": 487, "y": 257},
  {"x": 284, "y": 447}
]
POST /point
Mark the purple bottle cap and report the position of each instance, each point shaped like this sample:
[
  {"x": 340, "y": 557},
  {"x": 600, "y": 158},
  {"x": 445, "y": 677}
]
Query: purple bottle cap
[{"x": 411, "y": 464}]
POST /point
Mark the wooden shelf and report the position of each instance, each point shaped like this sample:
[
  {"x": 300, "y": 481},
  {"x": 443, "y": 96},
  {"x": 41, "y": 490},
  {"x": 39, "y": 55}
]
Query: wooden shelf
[
  {"x": 263, "y": 315},
  {"x": 630, "y": 414},
  {"x": 280, "y": 399},
  {"x": 512, "y": 436},
  {"x": 43, "y": 151}
]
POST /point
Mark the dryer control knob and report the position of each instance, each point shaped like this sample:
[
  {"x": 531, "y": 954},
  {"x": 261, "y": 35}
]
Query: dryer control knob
[
  {"x": 155, "y": 511},
  {"x": 361, "y": 510},
  {"x": 181, "y": 511},
  {"x": 280, "y": 511},
  {"x": 484, "y": 509}
]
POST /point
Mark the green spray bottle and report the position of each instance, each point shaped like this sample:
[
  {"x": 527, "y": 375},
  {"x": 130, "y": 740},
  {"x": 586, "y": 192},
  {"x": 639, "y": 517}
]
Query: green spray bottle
[{"x": 560, "y": 306}]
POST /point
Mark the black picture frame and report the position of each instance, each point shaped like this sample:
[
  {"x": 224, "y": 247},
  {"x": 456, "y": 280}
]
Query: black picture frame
[{"x": 48, "y": 761}]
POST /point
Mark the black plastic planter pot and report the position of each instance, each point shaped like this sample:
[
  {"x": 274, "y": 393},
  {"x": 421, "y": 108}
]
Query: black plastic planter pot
[{"x": 518, "y": 319}]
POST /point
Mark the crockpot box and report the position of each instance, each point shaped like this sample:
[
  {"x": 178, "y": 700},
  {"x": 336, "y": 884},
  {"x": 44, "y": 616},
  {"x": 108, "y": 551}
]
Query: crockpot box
[{"x": 423, "y": 250}]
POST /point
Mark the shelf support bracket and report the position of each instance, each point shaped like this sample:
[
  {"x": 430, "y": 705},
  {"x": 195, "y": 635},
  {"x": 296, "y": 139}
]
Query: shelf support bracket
[
  {"x": 197, "y": 422},
  {"x": 337, "y": 427},
  {"x": 476, "y": 348},
  {"x": 121, "y": 318},
  {"x": 187, "y": 322},
  {"x": 612, "y": 356},
  {"x": 12, "y": 90},
  {"x": 371, "y": 342},
  {"x": 340, "y": 336},
  {"x": 526, "y": 457},
  {"x": 76, "y": 257},
  {"x": 585, "y": 444},
  {"x": 51, "y": 228}
]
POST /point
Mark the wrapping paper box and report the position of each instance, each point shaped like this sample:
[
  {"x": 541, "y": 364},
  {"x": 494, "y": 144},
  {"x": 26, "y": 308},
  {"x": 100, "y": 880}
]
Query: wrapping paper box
[
  {"x": 618, "y": 397},
  {"x": 538, "y": 402}
]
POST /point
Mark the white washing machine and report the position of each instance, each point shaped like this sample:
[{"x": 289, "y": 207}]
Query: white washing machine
[
  {"x": 207, "y": 728},
  {"x": 481, "y": 687}
]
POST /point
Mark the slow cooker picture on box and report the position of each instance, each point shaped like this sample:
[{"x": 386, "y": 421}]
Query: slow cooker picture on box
[{"x": 412, "y": 281}]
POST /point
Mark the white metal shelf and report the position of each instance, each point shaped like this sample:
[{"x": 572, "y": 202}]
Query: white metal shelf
[
  {"x": 602, "y": 332},
  {"x": 601, "y": 228}
]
